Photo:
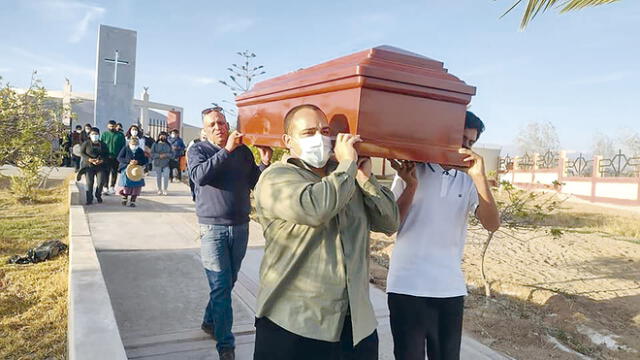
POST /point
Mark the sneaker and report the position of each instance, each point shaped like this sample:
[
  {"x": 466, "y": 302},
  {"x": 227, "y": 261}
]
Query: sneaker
[
  {"x": 160, "y": 192},
  {"x": 105, "y": 192},
  {"x": 124, "y": 203},
  {"x": 89, "y": 203},
  {"x": 112, "y": 190},
  {"x": 208, "y": 328},
  {"x": 164, "y": 192},
  {"x": 227, "y": 354},
  {"x": 99, "y": 200},
  {"x": 132, "y": 204}
]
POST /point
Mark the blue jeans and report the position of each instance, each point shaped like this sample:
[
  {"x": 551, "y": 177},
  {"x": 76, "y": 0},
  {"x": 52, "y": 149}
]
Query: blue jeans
[{"x": 222, "y": 249}]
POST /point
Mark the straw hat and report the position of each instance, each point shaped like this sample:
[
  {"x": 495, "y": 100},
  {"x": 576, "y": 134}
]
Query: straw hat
[{"x": 135, "y": 172}]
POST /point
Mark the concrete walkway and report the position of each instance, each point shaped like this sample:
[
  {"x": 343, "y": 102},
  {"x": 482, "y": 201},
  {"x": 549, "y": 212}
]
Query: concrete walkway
[{"x": 151, "y": 265}]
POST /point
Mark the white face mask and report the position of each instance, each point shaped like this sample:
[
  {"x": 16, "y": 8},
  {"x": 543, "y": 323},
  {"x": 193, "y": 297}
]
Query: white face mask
[
  {"x": 173, "y": 136},
  {"x": 94, "y": 137},
  {"x": 315, "y": 149},
  {"x": 134, "y": 132},
  {"x": 133, "y": 147}
]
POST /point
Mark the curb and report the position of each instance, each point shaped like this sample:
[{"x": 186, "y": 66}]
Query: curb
[{"x": 92, "y": 328}]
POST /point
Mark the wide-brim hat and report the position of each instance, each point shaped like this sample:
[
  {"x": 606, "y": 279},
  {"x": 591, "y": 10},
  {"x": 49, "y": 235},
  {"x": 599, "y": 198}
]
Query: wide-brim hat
[{"x": 135, "y": 172}]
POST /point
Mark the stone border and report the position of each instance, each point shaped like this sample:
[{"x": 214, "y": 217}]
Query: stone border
[{"x": 92, "y": 329}]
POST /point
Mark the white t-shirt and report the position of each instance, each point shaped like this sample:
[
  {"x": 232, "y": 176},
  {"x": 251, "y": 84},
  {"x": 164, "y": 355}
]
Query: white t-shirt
[{"x": 426, "y": 260}]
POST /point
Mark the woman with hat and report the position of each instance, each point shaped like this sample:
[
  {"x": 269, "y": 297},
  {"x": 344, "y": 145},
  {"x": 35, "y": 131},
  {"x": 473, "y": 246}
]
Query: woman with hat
[
  {"x": 131, "y": 159},
  {"x": 161, "y": 153}
]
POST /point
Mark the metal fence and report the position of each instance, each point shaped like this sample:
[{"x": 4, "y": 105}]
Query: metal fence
[
  {"x": 155, "y": 126},
  {"x": 619, "y": 165}
]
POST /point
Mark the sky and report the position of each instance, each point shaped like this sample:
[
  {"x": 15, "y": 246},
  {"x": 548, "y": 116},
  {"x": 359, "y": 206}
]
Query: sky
[{"x": 580, "y": 70}]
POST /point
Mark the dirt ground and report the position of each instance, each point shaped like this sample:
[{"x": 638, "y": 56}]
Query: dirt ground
[{"x": 577, "y": 297}]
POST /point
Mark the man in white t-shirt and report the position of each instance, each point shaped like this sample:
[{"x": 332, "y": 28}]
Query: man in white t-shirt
[{"x": 425, "y": 285}]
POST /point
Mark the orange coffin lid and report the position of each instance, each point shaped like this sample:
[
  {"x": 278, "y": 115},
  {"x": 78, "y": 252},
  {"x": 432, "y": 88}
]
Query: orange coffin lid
[{"x": 403, "y": 105}]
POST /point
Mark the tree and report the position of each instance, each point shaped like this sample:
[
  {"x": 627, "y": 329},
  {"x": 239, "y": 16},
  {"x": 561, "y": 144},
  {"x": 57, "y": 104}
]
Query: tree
[
  {"x": 538, "y": 137},
  {"x": 520, "y": 212},
  {"x": 30, "y": 129},
  {"x": 630, "y": 142},
  {"x": 534, "y": 7},
  {"x": 604, "y": 146},
  {"x": 242, "y": 76}
]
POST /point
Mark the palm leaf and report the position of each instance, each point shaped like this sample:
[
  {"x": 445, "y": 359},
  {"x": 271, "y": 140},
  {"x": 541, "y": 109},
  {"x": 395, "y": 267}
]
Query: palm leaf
[{"x": 534, "y": 7}]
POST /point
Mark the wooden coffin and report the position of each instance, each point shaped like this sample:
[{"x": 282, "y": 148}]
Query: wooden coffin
[{"x": 403, "y": 105}]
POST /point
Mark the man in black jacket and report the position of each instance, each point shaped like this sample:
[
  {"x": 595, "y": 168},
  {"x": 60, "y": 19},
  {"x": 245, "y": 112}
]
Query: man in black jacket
[
  {"x": 224, "y": 172},
  {"x": 95, "y": 152}
]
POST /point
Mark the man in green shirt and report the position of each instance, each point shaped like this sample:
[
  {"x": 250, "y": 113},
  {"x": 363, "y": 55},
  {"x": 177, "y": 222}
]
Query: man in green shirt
[
  {"x": 115, "y": 142},
  {"x": 316, "y": 214}
]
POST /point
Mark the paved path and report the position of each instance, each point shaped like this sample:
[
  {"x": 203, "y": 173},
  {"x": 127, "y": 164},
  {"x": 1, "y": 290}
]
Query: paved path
[{"x": 151, "y": 264}]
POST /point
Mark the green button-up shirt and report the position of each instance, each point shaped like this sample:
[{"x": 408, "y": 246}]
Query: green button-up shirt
[{"x": 316, "y": 259}]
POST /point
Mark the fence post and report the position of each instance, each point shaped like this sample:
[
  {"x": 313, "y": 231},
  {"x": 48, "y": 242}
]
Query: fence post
[
  {"x": 562, "y": 165},
  {"x": 534, "y": 168},
  {"x": 595, "y": 175},
  {"x": 516, "y": 163}
]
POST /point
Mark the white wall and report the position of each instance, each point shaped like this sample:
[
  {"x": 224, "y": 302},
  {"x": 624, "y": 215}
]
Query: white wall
[
  {"x": 577, "y": 187},
  {"x": 617, "y": 190}
]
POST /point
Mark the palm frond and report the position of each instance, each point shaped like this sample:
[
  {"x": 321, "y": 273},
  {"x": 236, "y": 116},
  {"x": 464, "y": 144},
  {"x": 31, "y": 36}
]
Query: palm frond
[{"x": 534, "y": 7}]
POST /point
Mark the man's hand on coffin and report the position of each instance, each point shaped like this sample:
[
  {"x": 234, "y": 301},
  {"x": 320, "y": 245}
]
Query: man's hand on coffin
[
  {"x": 265, "y": 154},
  {"x": 406, "y": 170},
  {"x": 234, "y": 140},
  {"x": 364, "y": 169},
  {"x": 133, "y": 162},
  {"x": 476, "y": 168},
  {"x": 345, "y": 147}
]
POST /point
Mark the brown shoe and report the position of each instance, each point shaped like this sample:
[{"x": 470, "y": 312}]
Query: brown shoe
[{"x": 227, "y": 354}]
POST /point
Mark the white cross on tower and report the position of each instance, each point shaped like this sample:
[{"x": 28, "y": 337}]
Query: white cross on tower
[{"x": 115, "y": 62}]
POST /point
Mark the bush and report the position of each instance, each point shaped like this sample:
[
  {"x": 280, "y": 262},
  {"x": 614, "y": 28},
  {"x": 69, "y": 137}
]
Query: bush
[{"x": 30, "y": 130}]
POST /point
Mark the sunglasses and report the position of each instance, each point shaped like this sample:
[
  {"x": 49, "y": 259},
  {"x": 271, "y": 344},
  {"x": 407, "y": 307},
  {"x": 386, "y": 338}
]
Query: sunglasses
[{"x": 211, "y": 109}]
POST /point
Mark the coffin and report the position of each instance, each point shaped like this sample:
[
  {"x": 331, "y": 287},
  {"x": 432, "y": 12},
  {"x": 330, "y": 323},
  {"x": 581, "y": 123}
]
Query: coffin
[{"x": 403, "y": 105}]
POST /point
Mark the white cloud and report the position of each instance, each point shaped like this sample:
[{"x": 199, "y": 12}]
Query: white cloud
[
  {"x": 80, "y": 15},
  {"x": 5, "y": 70},
  {"x": 237, "y": 25},
  {"x": 195, "y": 80},
  {"x": 47, "y": 64},
  {"x": 201, "y": 80},
  {"x": 601, "y": 78}
]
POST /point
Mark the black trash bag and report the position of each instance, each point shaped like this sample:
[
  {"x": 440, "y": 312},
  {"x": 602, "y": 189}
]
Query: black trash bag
[{"x": 45, "y": 251}]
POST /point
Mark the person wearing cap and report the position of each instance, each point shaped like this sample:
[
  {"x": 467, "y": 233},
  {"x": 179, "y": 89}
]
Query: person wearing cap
[
  {"x": 131, "y": 160},
  {"x": 224, "y": 172},
  {"x": 425, "y": 283},
  {"x": 161, "y": 153}
]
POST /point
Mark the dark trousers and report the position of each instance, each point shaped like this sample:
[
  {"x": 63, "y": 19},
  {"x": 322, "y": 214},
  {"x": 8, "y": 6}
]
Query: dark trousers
[
  {"x": 97, "y": 177},
  {"x": 416, "y": 320},
  {"x": 192, "y": 186},
  {"x": 111, "y": 172},
  {"x": 275, "y": 343},
  {"x": 175, "y": 164},
  {"x": 76, "y": 161}
]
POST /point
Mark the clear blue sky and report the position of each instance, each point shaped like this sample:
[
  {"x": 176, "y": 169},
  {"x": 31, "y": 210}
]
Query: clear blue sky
[{"x": 581, "y": 70}]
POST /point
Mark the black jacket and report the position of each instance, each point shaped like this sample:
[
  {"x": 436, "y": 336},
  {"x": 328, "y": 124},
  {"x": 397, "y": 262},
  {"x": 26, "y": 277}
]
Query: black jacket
[
  {"x": 126, "y": 155},
  {"x": 89, "y": 151}
]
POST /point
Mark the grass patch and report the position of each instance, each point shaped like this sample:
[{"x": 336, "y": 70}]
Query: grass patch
[{"x": 33, "y": 298}]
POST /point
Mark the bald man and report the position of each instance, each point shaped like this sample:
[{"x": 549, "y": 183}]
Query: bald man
[{"x": 316, "y": 213}]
